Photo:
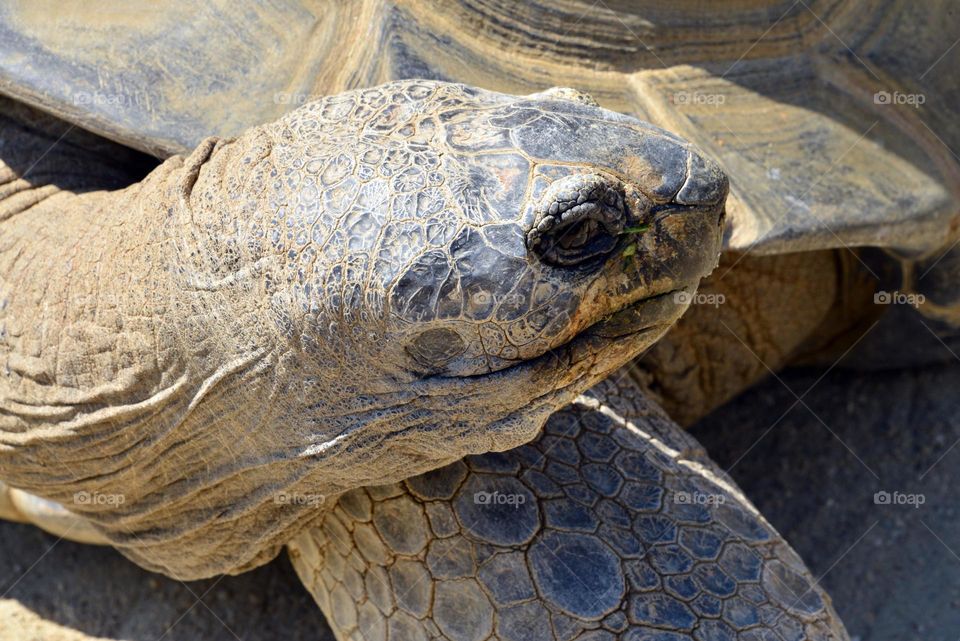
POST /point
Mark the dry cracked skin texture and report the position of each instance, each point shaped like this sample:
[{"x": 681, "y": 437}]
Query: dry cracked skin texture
[
  {"x": 613, "y": 524},
  {"x": 330, "y": 301},
  {"x": 897, "y": 583},
  {"x": 750, "y": 316},
  {"x": 616, "y": 544},
  {"x": 640, "y": 536}
]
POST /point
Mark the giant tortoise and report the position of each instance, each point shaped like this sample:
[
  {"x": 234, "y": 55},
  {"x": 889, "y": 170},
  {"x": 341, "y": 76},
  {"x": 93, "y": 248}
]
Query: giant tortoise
[
  {"x": 254, "y": 344},
  {"x": 835, "y": 122},
  {"x": 612, "y": 523}
]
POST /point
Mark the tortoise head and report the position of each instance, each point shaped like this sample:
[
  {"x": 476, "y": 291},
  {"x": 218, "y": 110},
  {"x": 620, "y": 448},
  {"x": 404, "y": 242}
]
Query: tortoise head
[
  {"x": 445, "y": 266},
  {"x": 376, "y": 284}
]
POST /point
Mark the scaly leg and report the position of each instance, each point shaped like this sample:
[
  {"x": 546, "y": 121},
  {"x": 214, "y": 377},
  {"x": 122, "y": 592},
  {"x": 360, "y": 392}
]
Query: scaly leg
[{"x": 613, "y": 524}]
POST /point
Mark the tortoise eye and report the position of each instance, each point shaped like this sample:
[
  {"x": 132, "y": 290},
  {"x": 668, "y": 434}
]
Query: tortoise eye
[
  {"x": 579, "y": 218},
  {"x": 579, "y": 235}
]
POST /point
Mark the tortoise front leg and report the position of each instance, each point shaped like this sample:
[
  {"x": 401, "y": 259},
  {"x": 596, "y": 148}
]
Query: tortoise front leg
[{"x": 613, "y": 524}]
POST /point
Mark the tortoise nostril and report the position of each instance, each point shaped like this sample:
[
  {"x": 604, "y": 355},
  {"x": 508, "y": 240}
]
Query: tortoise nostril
[{"x": 579, "y": 219}]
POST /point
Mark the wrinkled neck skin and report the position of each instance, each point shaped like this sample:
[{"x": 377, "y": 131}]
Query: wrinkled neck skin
[
  {"x": 115, "y": 361},
  {"x": 152, "y": 364}
]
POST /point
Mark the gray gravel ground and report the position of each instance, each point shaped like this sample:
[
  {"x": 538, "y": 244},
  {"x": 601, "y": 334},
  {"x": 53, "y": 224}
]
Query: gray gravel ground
[
  {"x": 62, "y": 591},
  {"x": 893, "y": 570}
]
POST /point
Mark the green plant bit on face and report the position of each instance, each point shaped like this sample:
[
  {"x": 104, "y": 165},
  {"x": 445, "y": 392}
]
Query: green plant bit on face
[
  {"x": 631, "y": 249},
  {"x": 627, "y": 253}
]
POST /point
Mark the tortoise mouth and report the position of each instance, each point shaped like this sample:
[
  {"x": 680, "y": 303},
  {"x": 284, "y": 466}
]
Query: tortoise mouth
[
  {"x": 593, "y": 344},
  {"x": 629, "y": 320}
]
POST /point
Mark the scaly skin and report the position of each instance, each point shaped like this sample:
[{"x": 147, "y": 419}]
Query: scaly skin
[
  {"x": 612, "y": 524},
  {"x": 187, "y": 258},
  {"x": 345, "y": 297}
]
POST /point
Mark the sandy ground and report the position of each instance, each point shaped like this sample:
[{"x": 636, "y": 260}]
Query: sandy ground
[{"x": 813, "y": 469}]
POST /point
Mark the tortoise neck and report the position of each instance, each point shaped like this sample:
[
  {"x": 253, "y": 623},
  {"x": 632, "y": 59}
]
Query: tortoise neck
[{"x": 129, "y": 345}]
